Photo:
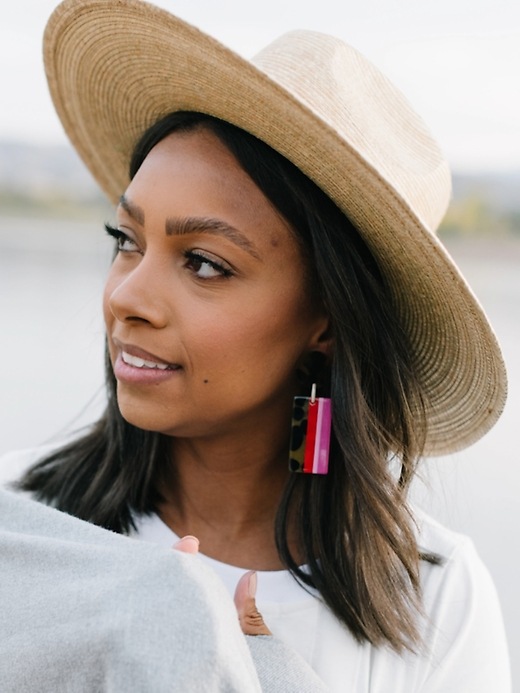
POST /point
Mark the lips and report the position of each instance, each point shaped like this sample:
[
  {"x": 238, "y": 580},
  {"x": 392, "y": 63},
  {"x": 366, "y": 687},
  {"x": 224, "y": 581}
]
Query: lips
[
  {"x": 138, "y": 362},
  {"x": 135, "y": 357}
]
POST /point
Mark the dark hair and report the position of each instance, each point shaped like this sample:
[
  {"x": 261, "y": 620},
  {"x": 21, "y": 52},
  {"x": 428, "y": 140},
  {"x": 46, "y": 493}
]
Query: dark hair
[{"x": 356, "y": 532}]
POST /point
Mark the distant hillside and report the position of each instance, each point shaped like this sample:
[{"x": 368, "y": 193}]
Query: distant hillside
[
  {"x": 46, "y": 180},
  {"x": 499, "y": 190},
  {"x": 38, "y": 169},
  {"x": 52, "y": 181},
  {"x": 484, "y": 205}
]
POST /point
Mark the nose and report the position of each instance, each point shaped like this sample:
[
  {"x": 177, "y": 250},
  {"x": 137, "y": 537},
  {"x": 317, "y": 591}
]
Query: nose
[{"x": 138, "y": 295}]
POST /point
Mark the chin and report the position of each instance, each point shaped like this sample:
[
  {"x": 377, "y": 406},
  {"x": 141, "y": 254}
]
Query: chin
[
  {"x": 153, "y": 423},
  {"x": 139, "y": 415},
  {"x": 140, "y": 422}
]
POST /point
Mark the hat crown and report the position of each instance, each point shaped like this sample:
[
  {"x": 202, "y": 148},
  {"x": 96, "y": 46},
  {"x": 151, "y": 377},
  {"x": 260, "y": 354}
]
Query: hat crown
[{"x": 351, "y": 95}]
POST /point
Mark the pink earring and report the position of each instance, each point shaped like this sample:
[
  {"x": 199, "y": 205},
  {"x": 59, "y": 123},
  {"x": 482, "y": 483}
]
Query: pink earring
[{"x": 310, "y": 434}]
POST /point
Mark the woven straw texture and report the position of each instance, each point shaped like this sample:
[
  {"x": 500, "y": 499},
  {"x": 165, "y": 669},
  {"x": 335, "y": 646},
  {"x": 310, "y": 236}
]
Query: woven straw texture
[{"x": 115, "y": 66}]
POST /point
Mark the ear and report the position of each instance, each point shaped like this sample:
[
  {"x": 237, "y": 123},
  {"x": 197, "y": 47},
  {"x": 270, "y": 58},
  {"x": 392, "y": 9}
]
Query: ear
[{"x": 321, "y": 339}]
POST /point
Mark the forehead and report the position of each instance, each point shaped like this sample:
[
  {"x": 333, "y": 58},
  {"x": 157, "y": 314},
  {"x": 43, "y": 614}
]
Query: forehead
[{"x": 194, "y": 174}]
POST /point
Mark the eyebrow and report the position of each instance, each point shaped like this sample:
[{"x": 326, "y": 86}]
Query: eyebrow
[
  {"x": 132, "y": 210},
  {"x": 186, "y": 225},
  {"x": 213, "y": 226}
]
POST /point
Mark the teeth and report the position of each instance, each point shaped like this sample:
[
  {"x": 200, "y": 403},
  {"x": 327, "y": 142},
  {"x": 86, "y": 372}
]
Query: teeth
[{"x": 138, "y": 362}]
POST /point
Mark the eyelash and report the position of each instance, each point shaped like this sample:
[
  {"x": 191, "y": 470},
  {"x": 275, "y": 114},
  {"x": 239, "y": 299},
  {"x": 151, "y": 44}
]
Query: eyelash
[
  {"x": 197, "y": 256},
  {"x": 191, "y": 256},
  {"x": 119, "y": 236}
]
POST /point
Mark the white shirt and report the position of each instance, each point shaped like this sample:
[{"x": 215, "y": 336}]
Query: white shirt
[{"x": 465, "y": 645}]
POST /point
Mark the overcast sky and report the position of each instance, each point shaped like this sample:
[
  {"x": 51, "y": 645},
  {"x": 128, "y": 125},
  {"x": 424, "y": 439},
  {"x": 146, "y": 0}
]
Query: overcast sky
[{"x": 458, "y": 61}]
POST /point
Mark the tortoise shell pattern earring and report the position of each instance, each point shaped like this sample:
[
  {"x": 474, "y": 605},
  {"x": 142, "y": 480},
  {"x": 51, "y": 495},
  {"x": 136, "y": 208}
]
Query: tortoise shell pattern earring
[{"x": 310, "y": 434}]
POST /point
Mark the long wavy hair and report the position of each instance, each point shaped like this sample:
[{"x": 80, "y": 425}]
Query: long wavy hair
[{"x": 355, "y": 529}]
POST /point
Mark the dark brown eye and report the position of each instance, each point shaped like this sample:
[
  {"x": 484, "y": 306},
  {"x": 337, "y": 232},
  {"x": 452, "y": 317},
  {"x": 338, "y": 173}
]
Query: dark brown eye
[{"x": 204, "y": 267}]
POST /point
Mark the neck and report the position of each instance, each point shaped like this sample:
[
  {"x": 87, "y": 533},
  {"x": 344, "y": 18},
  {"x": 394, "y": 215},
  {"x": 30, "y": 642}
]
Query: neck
[{"x": 226, "y": 492}]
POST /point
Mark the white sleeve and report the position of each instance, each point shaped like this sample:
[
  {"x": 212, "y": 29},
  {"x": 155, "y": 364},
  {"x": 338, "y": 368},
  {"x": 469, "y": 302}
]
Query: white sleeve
[{"x": 467, "y": 648}]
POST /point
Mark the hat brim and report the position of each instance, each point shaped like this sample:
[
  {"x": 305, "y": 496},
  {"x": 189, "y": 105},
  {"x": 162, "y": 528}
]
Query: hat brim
[{"x": 115, "y": 67}]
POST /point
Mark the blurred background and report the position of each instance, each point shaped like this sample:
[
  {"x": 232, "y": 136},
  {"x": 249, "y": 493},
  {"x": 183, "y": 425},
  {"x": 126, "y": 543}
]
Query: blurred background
[{"x": 459, "y": 64}]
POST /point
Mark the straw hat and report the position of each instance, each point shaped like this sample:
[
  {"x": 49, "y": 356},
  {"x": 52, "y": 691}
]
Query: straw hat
[{"x": 115, "y": 66}]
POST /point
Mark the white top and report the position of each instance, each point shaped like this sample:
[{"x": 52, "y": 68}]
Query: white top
[{"x": 465, "y": 645}]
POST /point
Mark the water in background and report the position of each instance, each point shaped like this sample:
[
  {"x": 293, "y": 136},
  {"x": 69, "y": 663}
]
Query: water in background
[{"x": 51, "y": 375}]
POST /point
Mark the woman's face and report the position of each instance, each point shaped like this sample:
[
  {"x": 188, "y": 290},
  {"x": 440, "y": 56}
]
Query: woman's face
[{"x": 206, "y": 305}]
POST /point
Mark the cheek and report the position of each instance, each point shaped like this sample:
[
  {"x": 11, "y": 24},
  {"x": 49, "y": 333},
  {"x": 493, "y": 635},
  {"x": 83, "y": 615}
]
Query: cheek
[
  {"x": 110, "y": 286},
  {"x": 107, "y": 292},
  {"x": 273, "y": 333}
]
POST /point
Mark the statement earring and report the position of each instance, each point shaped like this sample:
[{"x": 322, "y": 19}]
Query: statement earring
[{"x": 310, "y": 434}]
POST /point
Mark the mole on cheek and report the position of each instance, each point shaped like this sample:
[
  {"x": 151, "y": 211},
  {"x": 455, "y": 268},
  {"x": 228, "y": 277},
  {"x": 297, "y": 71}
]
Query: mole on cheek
[
  {"x": 274, "y": 242},
  {"x": 206, "y": 381}
]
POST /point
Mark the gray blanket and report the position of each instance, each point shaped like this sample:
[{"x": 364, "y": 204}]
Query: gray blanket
[{"x": 86, "y": 610}]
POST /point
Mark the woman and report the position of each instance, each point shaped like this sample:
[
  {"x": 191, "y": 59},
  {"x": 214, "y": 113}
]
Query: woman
[{"x": 275, "y": 258}]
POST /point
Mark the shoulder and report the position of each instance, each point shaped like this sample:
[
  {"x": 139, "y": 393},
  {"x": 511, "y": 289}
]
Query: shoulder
[
  {"x": 460, "y": 568},
  {"x": 463, "y": 627},
  {"x": 436, "y": 537},
  {"x": 15, "y": 463}
]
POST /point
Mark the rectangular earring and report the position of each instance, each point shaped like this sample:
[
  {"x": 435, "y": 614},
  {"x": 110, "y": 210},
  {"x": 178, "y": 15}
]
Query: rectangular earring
[{"x": 310, "y": 434}]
